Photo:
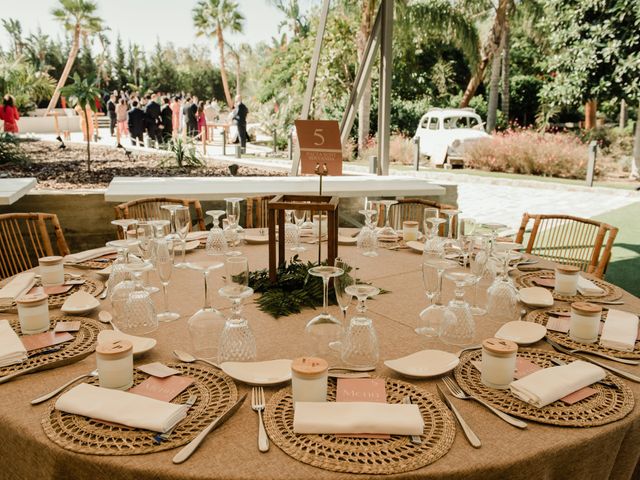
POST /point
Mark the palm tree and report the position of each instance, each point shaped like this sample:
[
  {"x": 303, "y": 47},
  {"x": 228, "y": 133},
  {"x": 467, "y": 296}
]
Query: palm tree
[
  {"x": 236, "y": 53},
  {"x": 14, "y": 30},
  {"x": 213, "y": 18},
  {"x": 77, "y": 16},
  {"x": 294, "y": 20},
  {"x": 84, "y": 93}
]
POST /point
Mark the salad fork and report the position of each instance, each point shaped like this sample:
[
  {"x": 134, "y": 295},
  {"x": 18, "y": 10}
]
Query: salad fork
[{"x": 257, "y": 405}]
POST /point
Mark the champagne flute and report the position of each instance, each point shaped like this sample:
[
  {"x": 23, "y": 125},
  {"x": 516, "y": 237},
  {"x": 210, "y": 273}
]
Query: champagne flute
[
  {"x": 183, "y": 225},
  {"x": 164, "y": 265}
]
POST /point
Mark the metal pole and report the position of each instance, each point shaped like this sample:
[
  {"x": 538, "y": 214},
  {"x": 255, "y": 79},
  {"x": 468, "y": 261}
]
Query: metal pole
[
  {"x": 373, "y": 164},
  {"x": 290, "y": 145},
  {"x": 591, "y": 166},
  {"x": 275, "y": 141},
  {"x": 416, "y": 149},
  {"x": 224, "y": 142},
  {"x": 311, "y": 80},
  {"x": 238, "y": 151},
  {"x": 386, "y": 67}
]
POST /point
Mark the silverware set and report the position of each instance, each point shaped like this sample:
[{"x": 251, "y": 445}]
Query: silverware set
[
  {"x": 257, "y": 405},
  {"x": 470, "y": 434}
]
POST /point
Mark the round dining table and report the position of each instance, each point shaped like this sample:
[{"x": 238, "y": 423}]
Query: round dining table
[{"x": 540, "y": 451}]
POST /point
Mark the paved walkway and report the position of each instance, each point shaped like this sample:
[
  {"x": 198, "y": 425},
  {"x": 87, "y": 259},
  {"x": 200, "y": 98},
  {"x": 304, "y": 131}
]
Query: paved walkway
[{"x": 482, "y": 198}]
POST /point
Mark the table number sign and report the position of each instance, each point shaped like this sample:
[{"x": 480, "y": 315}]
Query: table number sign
[{"x": 319, "y": 142}]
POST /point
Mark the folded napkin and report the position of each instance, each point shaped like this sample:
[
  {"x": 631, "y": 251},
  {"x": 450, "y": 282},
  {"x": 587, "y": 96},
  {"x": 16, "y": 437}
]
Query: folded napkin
[
  {"x": 197, "y": 235},
  {"x": 11, "y": 348},
  {"x": 20, "y": 284},
  {"x": 587, "y": 288},
  {"x": 550, "y": 384},
  {"x": 89, "y": 255},
  {"x": 357, "y": 417},
  {"x": 620, "y": 331},
  {"x": 121, "y": 407}
]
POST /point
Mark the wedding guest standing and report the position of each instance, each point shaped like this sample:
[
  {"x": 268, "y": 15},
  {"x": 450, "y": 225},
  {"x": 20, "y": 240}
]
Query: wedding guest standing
[
  {"x": 190, "y": 111},
  {"x": 121, "y": 116},
  {"x": 152, "y": 112},
  {"x": 240, "y": 112},
  {"x": 111, "y": 111},
  {"x": 9, "y": 114},
  {"x": 202, "y": 121},
  {"x": 166, "y": 119},
  {"x": 136, "y": 118},
  {"x": 175, "y": 118}
]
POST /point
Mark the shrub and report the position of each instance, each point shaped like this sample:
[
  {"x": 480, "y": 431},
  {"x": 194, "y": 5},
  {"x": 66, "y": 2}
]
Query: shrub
[
  {"x": 184, "y": 153},
  {"x": 529, "y": 152},
  {"x": 401, "y": 149},
  {"x": 10, "y": 151}
]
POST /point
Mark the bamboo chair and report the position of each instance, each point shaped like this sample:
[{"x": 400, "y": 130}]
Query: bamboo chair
[
  {"x": 569, "y": 240},
  {"x": 412, "y": 209},
  {"x": 26, "y": 237},
  {"x": 149, "y": 209},
  {"x": 257, "y": 211}
]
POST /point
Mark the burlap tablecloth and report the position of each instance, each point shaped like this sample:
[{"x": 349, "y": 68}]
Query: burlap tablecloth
[{"x": 611, "y": 451}]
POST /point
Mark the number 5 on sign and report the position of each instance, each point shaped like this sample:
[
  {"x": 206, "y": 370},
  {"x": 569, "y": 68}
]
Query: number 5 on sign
[{"x": 319, "y": 142}]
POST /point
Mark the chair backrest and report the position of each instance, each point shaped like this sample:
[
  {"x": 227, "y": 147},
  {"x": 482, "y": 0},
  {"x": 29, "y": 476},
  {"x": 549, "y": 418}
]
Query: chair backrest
[
  {"x": 26, "y": 237},
  {"x": 564, "y": 239},
  {"x": 149, "y": 209},
  {"x": 412, "y": 209},
  {"x": 257, "y": 211}
]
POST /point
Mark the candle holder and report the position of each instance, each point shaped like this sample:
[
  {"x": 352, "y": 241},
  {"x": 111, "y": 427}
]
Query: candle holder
[{"x": 276, "y": 213}]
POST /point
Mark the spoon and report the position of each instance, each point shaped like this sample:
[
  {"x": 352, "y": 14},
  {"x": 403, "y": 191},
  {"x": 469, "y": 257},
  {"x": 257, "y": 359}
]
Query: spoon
[
  {"x": 106, "y": 317},
  {"x": 188, "y": 358},
  {"x": 53, "y": 393}
]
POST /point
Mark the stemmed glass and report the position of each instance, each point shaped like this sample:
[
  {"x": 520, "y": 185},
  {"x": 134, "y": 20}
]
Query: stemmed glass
[
  {"x": 494, "y": 228},
  {"x": 141, "y": 314},
  {"x": 237, "y": 342},
  {"x": 387, "y": 230},
  {"x": 232, "y": 232},
  {"x": 367, "y": 239},
  {"x": 172, "y": 208},
  {"x": 360, "y": 344},
  {"x": 164, "y": 264},
  {"x": 119, "y": 272},
  {"x": 216, "y": 240},
  {"x": 459, "y": 328},
  {"x": 427, "y": 214},
  {"x": 431, "y": 318},
  {"x": 340, "y": 284},
  {"x": 478, "y": 258},
  {"x": 324, "y": 331},
  {"x": 451, "y": 215},
  {"x": 146, "y": 238},
  {"x": 124, "y": 224},
  {"x": 433, "y": 242},
  {"x": 182, "y": 219},
  {"x": 299, "y": 218},
  {"x": 502, "y": 302},
  {"x": 207, "y": 323},
  {"x": 160, "y": 227}
]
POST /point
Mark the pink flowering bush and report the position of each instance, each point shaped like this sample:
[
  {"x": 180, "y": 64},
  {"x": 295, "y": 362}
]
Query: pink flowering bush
[{"x": 527, "y": 151}]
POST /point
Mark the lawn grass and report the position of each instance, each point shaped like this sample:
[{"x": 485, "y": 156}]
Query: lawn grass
[{"x": 624, "y": 267}]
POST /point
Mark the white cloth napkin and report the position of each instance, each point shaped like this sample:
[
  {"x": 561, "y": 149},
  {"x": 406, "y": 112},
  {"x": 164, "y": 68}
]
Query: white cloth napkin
[
  {"x": 88, "y": 255},
  {"x": 20, "y": 284},
  {"x": 620, "y": 331},
  {"x": 11, "y": 348},
  {"x": 550, "y": 384},
  {"x": 587, "y": 288},
  {"x": 196, "y": 235},
  {"x": 121, "y": 407},
  {"x": 357, "y": 417}
]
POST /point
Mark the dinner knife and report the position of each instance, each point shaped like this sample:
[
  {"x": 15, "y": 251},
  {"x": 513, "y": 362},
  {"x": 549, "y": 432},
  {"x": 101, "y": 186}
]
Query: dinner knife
[
  {"x": 191, "y": 447},
  {"x": 471, "y": 436}
]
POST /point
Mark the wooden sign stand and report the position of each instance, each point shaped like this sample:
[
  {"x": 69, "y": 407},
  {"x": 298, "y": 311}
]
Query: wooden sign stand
[{"x": 316, "y": 203}]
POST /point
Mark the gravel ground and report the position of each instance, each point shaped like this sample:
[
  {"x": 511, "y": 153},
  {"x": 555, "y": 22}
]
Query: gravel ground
[{"x": 67, "y": 169}]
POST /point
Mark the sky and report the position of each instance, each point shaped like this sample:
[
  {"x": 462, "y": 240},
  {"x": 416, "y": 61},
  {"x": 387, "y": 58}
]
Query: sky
[{"x": 144, "y": 21}]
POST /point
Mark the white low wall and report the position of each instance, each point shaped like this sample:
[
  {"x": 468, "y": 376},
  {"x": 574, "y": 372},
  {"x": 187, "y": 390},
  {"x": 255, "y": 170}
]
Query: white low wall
[{"x": 47, "y": 124}]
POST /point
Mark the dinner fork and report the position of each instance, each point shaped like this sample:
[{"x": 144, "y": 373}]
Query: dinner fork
[
  {"x": 457, "y": 392},
  {"x": 257, "y": 405}
]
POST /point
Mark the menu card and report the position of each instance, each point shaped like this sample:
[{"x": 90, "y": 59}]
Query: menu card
[
  {"x": 362, "y": 390},
  {"x": 46, "y": 339},
  {"x": 165, "y": 389}
]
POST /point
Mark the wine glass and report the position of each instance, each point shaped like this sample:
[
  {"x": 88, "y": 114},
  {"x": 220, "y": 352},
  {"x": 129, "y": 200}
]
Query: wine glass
[
  {"x": 478, "y": 259},
  {"x": 164, "y": 265},
  {"x": 182, "y": 219},
  {"x": 431, "y": 318},
  {"x": 502, "y": 295},
  {"x": 324, "y": 331},
  {"x": 433, "y": 242},
  {"x": 141, "y": 313},
  {"x": 452, "y": 231},
  {"x": 340, "y": 284},
  {"x": 172, "y": 208},
  {"x": 428, "y": 213},
  {"x": 360, "y": 344},
  {"x": 146, "y": 238},
  {"x": 459, "y": 328},
  {"x": 216, "y": 240},
  {"x": 237, "y": 342},
  {"x": 232, "y": 231},
  {"x": 299, "y": 218},
  {"x": 205, "y": 326},
  {"x": 387, "y": 231},
  {"x": 124, "y": 224}
]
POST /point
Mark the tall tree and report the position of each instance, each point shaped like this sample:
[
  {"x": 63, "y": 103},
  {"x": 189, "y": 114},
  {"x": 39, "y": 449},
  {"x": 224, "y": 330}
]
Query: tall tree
[
  {"x": 215, "y": 18},
  {"x": 120, "y": 64},
  {"x": 78, "y": 17},
  {"x": 294, "y": 20},
  {"x": 13, "y": 27}
]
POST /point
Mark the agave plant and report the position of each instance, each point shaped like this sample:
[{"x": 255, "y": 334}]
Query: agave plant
[{"x": 184, "y": 153}]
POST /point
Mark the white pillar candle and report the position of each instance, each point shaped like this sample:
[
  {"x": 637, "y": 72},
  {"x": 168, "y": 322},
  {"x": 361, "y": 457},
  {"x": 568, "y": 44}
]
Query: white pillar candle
[
  {"x": 409, "y": 230},
  {"x": 115, "y": 364},
  {"x": 566, "y": 279},
  {"x": 51, "y": 270},
  {"x": 33, "y": 313},
  {"x": 498, "y": 362},
  {"x": 309, "y": 379},
  {"x": 584, "y": 322}
]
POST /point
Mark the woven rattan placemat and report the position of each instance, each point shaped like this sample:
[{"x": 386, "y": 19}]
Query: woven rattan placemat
[
  {"x": 215, "y": 390},
  {"x": 611, "y": 291},
  {"x": 82, "y": 345},
  {"x": 608, "y": 405},
  {"x": 541, "y": 316},
  {"x": 364, "y": 455},
  {"x": 95, "y": 264}
]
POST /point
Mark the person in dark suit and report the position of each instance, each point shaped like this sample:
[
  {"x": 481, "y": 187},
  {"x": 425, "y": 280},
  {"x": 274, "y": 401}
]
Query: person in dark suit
[
  {"x": 152, "y": 113},
  {"x": 111, "y": 111},
  {"x": 240, "y": 112},
  {"x": 190, "y": 111},
  {"x": 166, "y": 118},
  {"x": 136, "y": 122}
]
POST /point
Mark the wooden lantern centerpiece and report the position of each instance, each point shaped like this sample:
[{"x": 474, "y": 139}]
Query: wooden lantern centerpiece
[{"x": 315, "y": 203}]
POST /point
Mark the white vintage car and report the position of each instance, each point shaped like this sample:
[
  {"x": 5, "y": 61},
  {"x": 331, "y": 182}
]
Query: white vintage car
[{"x": 444, "y": 132}]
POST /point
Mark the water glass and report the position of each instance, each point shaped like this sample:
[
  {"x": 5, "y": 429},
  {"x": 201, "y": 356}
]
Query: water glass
[{"x": 360, "y": 344}]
